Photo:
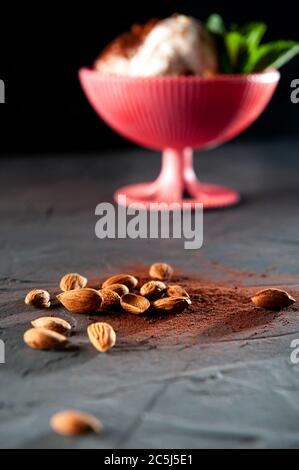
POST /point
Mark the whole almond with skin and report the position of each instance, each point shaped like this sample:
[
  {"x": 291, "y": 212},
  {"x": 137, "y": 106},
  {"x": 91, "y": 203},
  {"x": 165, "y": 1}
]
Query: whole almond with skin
[
  {"x": 75, "y": 423},
  {"x": 161, "y": 271},
  {"x": 125, "y": 279},
  {"x": 120, "y": 289},
  {"x": 102, "y": 336},
  {"x": 173, "y": 305},
  {"x": 72, "y": 281},
  {"x": 177, "y": 291},
  {"x": 40, "y": 338},
  {"x": 273, "y": 299},
  {"x": 153, "y": 290},
  {"x": 52, "y": 323},
  {"x": 38, "y": 298},
  {"x": 110, "y": 299},
  {"x": 135, "y": 304},
  {"x": 81, "y": 300}
]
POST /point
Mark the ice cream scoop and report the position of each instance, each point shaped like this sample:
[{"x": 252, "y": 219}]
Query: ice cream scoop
[
  {"x": 179, "y": 45},
  {"x": 176, "y": 46}
]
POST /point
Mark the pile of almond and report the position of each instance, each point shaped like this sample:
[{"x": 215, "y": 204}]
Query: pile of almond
[{"x": 120, "y": 292}]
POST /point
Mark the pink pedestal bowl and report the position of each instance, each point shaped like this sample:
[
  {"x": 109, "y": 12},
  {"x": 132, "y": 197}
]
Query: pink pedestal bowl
[{"x": 177, "y": 115}]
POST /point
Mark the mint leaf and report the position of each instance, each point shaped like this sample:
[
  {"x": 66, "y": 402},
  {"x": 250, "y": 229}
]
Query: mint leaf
[
  {"x": 236, "y": 47},
  {"x": 215, "y": 25},
  {"x": 240, "y": 49},
  {"x": 253, "y": 33},
  {"x": 274, "y": 54}
]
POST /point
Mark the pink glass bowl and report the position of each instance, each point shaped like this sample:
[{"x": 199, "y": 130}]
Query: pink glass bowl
[{"x": 177, "y": 115}]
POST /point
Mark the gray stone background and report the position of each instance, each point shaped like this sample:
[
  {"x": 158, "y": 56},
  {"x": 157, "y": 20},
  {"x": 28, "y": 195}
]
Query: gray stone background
[{"x": 239, "y": 391}]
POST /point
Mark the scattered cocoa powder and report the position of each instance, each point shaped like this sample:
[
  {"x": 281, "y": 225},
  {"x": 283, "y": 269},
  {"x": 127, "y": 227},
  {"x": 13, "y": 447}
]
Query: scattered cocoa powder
[{"x": 217, "y": 311}]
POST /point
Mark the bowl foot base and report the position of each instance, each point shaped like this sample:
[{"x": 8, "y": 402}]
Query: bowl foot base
[
  {"x": 177, "y": 183},
  {"x": 210, "y": 195}
]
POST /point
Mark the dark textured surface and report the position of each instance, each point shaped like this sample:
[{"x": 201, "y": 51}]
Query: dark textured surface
[{"x": 236, "y": 391}]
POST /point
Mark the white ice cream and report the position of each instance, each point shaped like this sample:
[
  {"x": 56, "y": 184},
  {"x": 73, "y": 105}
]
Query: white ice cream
[{"x": 178, "y": 45}]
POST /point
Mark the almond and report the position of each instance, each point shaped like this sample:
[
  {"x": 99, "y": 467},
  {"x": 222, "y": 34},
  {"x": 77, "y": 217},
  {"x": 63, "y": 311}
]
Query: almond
[
  {"x": 72, "y": 281},
  {"x": 120, "y": 289},
  {"x": 273, "y": 299},
  {"x": 38, "y": 298},
  {"x": 177, "y": 291},
  {"x": 81, "y": 300},
  {"x": 125, "y": 279},
  {"x": 135, "y": 304},
  {"x": 172, "y": 304},
  {"x": 52, "y": 323},
  {"x": 102, "y": 336},
  {"x": 153, "y": 290},
  {"x": 75, "y": 423},
  {"x": 161, "y": 271},
  {"x": 110, "y": 299},
  {"x": 40, "y": 338}
]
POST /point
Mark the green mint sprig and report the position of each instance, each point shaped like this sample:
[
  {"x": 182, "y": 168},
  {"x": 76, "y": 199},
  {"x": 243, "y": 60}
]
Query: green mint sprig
[{"x": 241, "y": 51}]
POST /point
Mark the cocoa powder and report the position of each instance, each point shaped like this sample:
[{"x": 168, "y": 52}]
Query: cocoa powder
[{"x": 217, "y": 311}]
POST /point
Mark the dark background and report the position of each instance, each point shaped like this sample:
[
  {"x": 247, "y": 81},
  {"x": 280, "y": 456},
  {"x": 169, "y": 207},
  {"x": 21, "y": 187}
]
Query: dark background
[{"x": 45, "y": 108}]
